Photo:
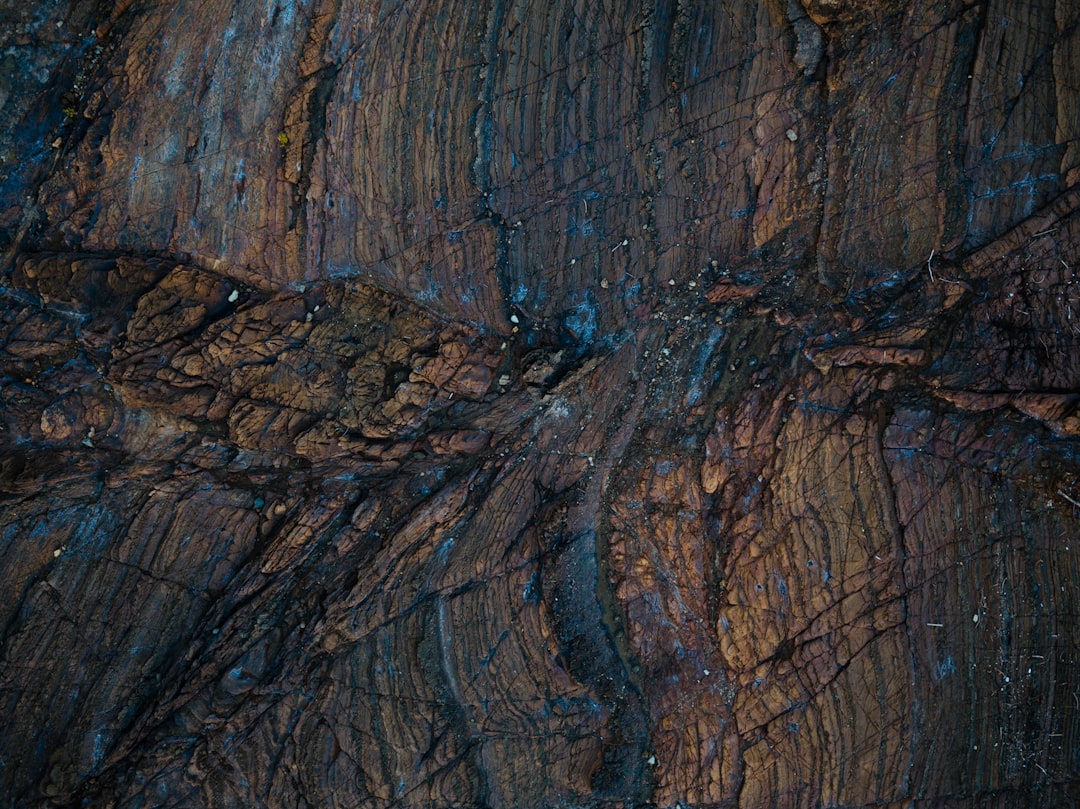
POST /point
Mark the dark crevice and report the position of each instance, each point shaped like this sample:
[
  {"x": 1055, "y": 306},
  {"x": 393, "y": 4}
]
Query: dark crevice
[{"x": 324, "y": 82}]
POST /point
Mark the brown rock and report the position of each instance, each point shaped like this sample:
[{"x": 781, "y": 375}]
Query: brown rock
[{"x": 524, "y": 405}]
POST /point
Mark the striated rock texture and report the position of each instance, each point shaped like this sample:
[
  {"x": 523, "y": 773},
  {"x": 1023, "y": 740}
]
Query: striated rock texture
[{"x": 510, "y": 404}]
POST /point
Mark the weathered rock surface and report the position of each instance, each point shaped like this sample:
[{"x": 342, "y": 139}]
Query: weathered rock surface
[{"x": 536, "y": 405}]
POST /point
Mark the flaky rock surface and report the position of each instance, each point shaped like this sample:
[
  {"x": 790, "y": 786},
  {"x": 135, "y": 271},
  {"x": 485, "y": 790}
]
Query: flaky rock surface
[{"x": 502, "y": 404}]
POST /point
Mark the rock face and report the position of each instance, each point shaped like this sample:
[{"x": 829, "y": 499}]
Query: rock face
[{"x": 502, "y": 404}]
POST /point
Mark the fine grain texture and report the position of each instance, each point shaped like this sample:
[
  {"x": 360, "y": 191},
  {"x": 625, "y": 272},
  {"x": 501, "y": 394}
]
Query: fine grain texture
[{"x": 528, "y": 405}]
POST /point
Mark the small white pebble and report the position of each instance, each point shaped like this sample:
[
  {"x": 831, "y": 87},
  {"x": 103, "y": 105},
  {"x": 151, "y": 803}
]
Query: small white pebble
[
  {"x": 603, "y": 283},
  {"x": 792, "y": 135},
  {"x": 234, "y": 296},
  {"x": 56, "y": 552},
  {"x": 651, "y": 761},
  {"x": 316, "y": 309},
  {"x": 504, "y": 380},
  {"x": 514, "y": 319},
  {"x": 707, "y": 672},
  {"x": 975, "y": 618},
  {"x": 692, "y": 284},
  {"x": 671, "y": 282},
  {"x": 307, "y": 317}
]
